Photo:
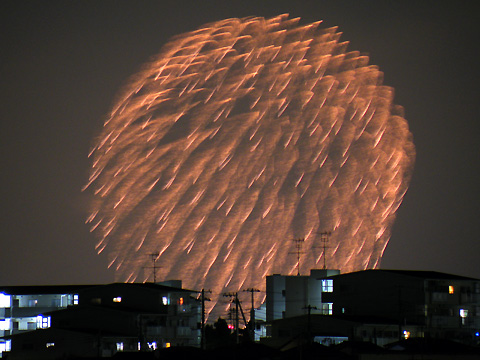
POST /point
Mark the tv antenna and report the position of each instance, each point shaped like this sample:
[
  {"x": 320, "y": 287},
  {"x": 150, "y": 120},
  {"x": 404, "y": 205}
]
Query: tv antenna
[
  {"x": 324, "y": 237},
  {"x": 153, "y": 257},
  {"x": 298, "y": 245}
]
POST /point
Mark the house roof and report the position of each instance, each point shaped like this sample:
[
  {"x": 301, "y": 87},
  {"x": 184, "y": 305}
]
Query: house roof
[
  {"x": 70, "y": 289},
  {"x": 43, "y": 289},
  {"x": 428, "y": 274},
  {"x": 431, "y": 346},
  {"x": 343, "y": 318},
  {"x": 73, "y": 332},
  {"x": 424, "y": 274}
]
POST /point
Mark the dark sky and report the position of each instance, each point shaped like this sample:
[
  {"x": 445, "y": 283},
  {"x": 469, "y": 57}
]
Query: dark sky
[{"x": 62, "y": 62}]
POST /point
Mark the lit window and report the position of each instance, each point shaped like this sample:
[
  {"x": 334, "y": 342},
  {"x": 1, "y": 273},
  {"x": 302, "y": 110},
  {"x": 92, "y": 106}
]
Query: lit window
[
  {"x": 4, "y": 300},
  {"x": 117, "y": 299},
  {"x": 119, "y": 346},
  {"x": 463, "y": 313},
  {"x": 75, "y": 299},
  {"x": 5, "y": 346},
  {"x": 327, "y": 308},
  {"x": 167, "y": 345},
  {"x": 327, "y": 285},
  {"x": 5, "y": 324},
  {"x": 165, "y": 300},
  {"x": 43, "y": 322},
  {"x": 50, "y": 345},
  {"x": 406, "y": 334},
  {"x": 152, "y": 345},
  {"x": 451, "y": 290},
  {"x": 180, "y": 301}
]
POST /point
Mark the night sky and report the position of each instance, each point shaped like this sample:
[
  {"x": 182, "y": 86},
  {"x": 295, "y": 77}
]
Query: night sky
[{"x": 62, "y": 63}]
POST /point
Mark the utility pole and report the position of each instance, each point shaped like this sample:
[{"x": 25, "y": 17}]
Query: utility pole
[
  {"x": 234, "y": 295},
  {"x": 324, "y": 236},
  {"x": 309, "y": 322},
  {"x": 298, "y": 245},
  {"x": 252, "y": 313},
  {"x": 203, "y": 342},
  {"x": 236, "y": 317}
]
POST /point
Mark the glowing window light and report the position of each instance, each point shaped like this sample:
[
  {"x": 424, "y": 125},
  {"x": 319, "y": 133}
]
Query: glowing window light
[
  {"x": 406, "y": 334},
  {"x": 327, "y": 308},
  {"x": 43, "y": 322},
  {"x": 165, "y": 300},
  {"x": 6, "y": 324},
  {"x": 5, "y": 346},
  {"x": 327, "y": 285},
  {"x": 49, "y": 345},
  {"x": 167, "y": 345},
  {"x": 119, "y": 346},
  {"x": 5, "y": 301},
  {"x": 463, "y": 313},
  {"x": 117, "y": 299},
  {"x": 451, "y": 289}
]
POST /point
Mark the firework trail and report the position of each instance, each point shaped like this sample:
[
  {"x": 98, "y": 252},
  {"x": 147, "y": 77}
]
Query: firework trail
[{"x": 239, "y": 137}]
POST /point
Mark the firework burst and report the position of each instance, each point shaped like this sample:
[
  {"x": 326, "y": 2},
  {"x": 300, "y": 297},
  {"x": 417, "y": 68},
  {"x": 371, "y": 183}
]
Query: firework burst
[{"x": 239, "y": 137}]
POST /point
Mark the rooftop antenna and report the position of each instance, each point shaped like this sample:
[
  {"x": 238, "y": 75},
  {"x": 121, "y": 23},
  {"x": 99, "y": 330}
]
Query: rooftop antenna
[
  {"x": 298, "y": 245},
  {"x": 324, "y": 237},
  {"x": 153, "y": 257}
]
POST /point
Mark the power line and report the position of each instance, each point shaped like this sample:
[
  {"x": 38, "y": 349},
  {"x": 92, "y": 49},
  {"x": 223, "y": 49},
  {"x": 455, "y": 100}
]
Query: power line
[{"x": 203, "y": 298}]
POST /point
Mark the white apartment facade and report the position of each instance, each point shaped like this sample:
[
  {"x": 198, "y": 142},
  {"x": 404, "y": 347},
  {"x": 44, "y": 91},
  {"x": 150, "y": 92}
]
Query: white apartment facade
[{"x": 21, "y": 308}]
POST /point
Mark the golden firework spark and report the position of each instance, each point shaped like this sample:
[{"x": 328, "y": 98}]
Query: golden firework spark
[{"x": 239, "y": 137}]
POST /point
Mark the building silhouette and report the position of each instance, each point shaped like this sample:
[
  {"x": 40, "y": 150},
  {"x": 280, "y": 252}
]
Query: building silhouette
[
  {"x": 387, "y": 309},
  {"x": 96, "y": 321},
  {"x": 378, "y": 306}
]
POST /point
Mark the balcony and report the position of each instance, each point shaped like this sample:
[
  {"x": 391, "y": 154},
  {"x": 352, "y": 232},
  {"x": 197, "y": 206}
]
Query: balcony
[
  {"x": 470, "y": 298},
  {"x": 19, "y": 312},
  {"x": 160, "y": 331}
]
